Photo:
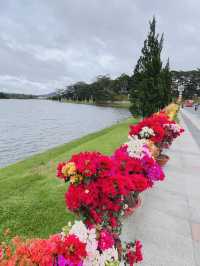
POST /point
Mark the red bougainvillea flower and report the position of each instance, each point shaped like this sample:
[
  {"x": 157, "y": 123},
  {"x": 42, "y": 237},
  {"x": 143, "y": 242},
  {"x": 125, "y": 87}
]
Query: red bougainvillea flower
[
  {"x": 90, "y": 164},
  {"x": 105, "y": 240},
  {"x": 84, "y": 166},
  {"x": 141, "y": 182},
  {"x": 133, "y": 253},
  {"x": 81, "y": 195},
  {"x": 40, "y": 251},
  {"x": 146, "y": 167},
  {"x": 59, "y": 170},
  {"x": 138, "y": 251},
  {"x": 152, "y": 123},
  {"x": 74, "y": 249}
]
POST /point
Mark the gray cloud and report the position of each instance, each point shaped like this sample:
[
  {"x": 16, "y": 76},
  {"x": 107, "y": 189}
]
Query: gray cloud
[{"x": 45, "y": 44}]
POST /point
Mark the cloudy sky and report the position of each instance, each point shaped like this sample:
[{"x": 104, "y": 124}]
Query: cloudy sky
[{"x": 46, "y": 44}]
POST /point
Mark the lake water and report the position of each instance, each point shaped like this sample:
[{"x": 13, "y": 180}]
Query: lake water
[{"x": 31, "y": 126}]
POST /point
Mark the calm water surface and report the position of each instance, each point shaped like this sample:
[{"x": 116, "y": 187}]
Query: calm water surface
[{"x": 31, "y": 126}]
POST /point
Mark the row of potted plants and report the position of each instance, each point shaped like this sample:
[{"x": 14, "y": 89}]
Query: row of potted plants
[{"x": 102, "y": 190}]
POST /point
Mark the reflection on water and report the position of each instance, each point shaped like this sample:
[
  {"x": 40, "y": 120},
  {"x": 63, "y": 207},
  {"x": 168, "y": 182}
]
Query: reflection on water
[{"x": 31, "y": 126}]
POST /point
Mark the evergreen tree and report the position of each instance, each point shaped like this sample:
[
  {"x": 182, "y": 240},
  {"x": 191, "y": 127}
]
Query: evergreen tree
[
  {"x": 102, "y": 89},
  {"x": 150, "y": 82},
  {"x": 167, "y": 78}
]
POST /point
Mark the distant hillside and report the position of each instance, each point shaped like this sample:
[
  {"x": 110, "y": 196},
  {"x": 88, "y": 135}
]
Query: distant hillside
[
  {"x": 5, "y": 95},
  {"x": 190, "y": 80},
  {"x": 106, "y": 89},
  {"x": 185, "y": 76},
  {"x": 46, "y": 96}
]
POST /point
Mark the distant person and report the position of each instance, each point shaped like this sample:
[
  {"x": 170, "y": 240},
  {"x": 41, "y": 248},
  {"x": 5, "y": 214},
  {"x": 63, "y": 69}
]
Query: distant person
[{"x": 196, "y": 107}]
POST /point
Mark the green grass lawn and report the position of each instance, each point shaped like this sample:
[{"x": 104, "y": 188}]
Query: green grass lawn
[{"x": 32, "y": 198}]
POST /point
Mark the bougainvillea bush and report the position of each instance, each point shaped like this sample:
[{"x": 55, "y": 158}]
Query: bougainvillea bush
[
  {"x": 134, "y": 161},
  {"x": 76, "y": 245},
  {"x": 96, "y": 191},
  {"x": 149, "y": 128},
  {"x": 158, "y": 128},
  {"x": 172, "y": 131},
  {"x": 99, "y": 185}
]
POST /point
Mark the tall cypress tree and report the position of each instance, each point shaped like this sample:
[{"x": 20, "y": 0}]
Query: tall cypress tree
[
  {"x": 150, "y": 81},
  {"x": 167, "y": 77}
]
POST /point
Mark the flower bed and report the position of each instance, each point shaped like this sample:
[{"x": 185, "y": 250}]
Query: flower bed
[{"x": 102, "y": 190}]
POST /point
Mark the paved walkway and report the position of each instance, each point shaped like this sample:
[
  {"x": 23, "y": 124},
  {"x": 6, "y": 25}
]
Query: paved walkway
[{"x": 168, "y": 223}]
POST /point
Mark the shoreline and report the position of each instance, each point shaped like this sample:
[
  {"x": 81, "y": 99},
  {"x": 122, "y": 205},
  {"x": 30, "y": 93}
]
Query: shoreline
[{"x": 116, "y": 104}]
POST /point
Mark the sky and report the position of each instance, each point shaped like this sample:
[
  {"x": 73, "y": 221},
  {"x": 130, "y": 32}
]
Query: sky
[{"x": 49, "y": 44}]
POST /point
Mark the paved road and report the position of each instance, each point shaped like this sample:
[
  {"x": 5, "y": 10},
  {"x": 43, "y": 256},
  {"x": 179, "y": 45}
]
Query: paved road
[
  {"x": 168, "y": 223},
  {"x": 192, "y": 111},
  {"x": 192, "y": 119}
]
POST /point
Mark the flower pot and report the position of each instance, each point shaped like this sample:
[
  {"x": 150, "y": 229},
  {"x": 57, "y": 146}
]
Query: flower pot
[
  {"x": 118, "y": 246},
  {"x": 131, "y": 199},
  {"x": 162, "y": 159},
  {"x": 132, "y": 208},
  {"x": 154, "y": 150}
]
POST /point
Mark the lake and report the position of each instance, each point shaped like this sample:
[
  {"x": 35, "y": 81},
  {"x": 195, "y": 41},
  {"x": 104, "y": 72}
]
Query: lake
[{"x": 31, "y": 126}]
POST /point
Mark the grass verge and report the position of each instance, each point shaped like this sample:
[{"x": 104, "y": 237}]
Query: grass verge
[{"x": 32, "y": 198}]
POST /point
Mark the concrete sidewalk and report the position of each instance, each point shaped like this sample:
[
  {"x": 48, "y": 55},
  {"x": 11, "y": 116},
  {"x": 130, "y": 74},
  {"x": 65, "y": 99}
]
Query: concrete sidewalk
[{"x": 168, "y": 223}]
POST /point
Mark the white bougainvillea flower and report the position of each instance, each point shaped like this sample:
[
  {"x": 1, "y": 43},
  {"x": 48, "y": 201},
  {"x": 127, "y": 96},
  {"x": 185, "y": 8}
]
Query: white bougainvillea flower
[
  {"x": 136, "y": 147},
  {"x": 173, "y": 127},
  {"x": 79, "y": 229},
  {"x": 109, "y": 254},
  {"x": 146, "y": 132}
]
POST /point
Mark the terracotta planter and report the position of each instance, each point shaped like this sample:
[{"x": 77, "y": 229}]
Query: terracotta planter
[
  {"x": 155, "y": 151},
  {"x": 133, "y": 207},
  {"x": 118, "y": 245},
  {"x": 162, "y": 159},
  {"x": 131, "y": 199}
]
